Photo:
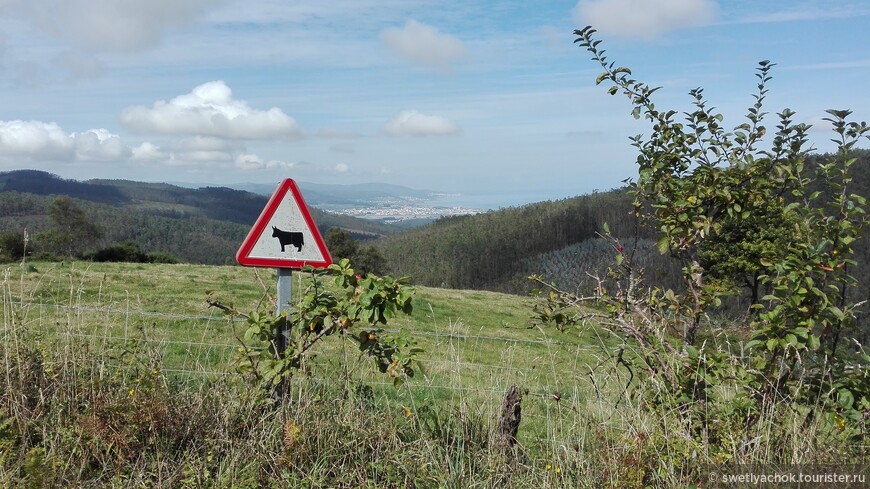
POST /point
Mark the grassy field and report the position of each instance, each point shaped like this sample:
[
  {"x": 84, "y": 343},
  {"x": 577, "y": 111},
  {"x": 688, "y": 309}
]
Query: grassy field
[
  {"x": 474, "y": 333},
  {"x": 121, "y": 375},
  {"x": 476, "y": 345}
]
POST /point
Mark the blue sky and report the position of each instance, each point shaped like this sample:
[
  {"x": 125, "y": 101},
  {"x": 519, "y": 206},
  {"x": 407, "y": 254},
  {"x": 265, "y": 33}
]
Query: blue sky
[{"x": 486, "y": 97}]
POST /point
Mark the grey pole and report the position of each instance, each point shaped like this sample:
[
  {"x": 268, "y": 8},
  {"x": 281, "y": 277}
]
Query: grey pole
[{"x": 285, "y": 289}]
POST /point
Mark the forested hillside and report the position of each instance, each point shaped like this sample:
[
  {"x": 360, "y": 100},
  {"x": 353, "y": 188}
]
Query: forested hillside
[
  {"x": 204, "y": 225},
  {"x": 499, "y": 250}
]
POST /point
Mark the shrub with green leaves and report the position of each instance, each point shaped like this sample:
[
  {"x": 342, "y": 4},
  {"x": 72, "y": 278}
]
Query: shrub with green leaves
[
  {"x": 733, "y": 208},
  {"x": 273, "y": 348}
]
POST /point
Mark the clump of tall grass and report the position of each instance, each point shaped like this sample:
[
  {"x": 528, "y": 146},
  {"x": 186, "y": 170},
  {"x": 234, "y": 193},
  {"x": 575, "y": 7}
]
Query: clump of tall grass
[{"x": 73, "y": 416}]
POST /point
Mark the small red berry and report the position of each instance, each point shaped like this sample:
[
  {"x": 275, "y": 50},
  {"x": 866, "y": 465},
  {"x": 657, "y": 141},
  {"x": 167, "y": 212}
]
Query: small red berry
[{"x": 619, "y": 248}]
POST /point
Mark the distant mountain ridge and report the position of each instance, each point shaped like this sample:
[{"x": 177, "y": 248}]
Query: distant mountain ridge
[
  {"x": 326, "y": 194},
  {"x": 157, "y": 216}
]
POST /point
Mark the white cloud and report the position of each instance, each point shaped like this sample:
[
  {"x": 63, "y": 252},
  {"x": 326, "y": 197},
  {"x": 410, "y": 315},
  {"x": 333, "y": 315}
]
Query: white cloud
[
  {"x": 413, "y": 123},
  {"x": 249, "y": 162},
  {"x": 148, "y": 152},
  {"x": 35, "y": 140},
  {"x": 112, "y": 25},
  {"x": 644, "y": 19},
  {"x": 254, "y": 162},
  {"x": 39, "y": 141},
  {"x": 424, "y": 44},
  {"x": 342, "y": 168},
  {"x": 210, "y": 110},
  {"x": 99, "y": 145},
  {"x": 200, "y": 158}
]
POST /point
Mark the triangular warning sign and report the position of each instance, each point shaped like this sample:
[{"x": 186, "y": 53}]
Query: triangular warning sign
[{"x": 284, "y": 235}]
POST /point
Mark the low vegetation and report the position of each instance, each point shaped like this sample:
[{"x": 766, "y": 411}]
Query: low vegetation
[{"x": 120, "y": 374}]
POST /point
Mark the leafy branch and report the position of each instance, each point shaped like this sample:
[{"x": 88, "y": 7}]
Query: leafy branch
[{"x": 355, "y": 313}]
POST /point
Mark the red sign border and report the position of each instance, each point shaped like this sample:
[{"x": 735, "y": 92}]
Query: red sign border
[{"x": 242, "y": 256}]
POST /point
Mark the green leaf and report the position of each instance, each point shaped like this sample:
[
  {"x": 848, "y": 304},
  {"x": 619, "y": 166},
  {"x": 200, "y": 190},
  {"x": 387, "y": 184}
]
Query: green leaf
[
  {"x": 845, "y": 398},
  {"x": 813, "y": 342},
  {"x": 662, "y": 245}
]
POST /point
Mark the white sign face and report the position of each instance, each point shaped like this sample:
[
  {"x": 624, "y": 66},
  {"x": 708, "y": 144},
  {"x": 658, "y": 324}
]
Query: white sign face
[{"x": 284, "y": 236}]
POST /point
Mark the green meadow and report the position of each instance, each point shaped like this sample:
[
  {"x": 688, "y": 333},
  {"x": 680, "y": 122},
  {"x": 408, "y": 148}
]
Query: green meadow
[
  {"x": 123, "y": 318},
  {"x": 122, "y": 375}
]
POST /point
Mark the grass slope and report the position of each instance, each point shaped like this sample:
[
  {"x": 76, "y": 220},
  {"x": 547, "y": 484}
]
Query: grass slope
[
  {"x": 119, "y": 375},
  {"x": 166, "y": 304}
]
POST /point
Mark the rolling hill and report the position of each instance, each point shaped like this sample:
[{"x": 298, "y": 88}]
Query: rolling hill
[{"x": 204, "y": 225}]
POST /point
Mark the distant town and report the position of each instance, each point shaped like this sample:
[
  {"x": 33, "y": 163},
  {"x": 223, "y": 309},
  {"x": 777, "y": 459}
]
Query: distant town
[{"x": 393, "y": 212}]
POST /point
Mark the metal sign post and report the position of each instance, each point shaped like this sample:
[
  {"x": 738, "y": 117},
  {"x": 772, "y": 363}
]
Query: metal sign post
[{"x": 285, "y": 292}]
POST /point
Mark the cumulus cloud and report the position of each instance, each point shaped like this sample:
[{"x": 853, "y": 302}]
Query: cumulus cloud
[
  {"x": 249, "y": 162},
  {"x": 46, "y": 141},
  {"x": 413, "y": 123},
  {"x": 254, "y": 162},
  {"x": 99, "y": 145},
  {"x": 200, "y": 158},
  {"x": 203, "y": 152},
  {"x": 108, "y": 25},
  {"x": 644, "y": 19},
  {"x": 148, "y": 152},
  {"x": 35, "y": 140},
  {"x": 210, "y": 110},
  {"x": 424, "y": 44},
  {"x": 342, "y": 168}
]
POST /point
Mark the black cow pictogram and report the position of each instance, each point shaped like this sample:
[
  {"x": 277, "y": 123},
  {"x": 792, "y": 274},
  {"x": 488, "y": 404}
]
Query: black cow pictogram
[{"x": 288, "y": 238}]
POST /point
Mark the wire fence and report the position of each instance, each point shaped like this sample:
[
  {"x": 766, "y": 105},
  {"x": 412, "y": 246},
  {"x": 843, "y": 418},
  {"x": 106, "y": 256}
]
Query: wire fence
[
  {"x": 458, "y": 365},
  {"x": 567, "y": 386}
]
